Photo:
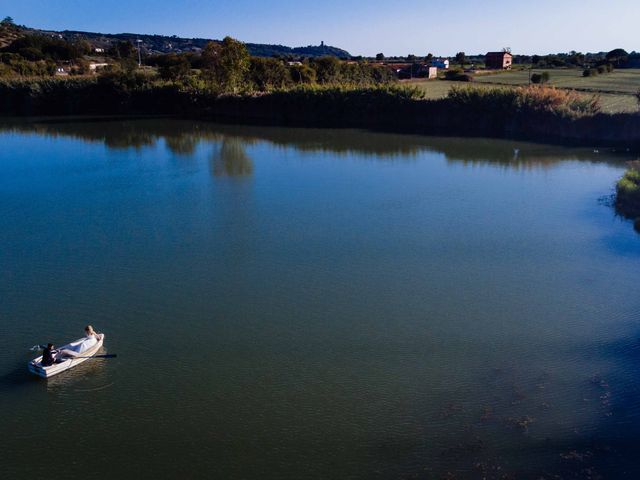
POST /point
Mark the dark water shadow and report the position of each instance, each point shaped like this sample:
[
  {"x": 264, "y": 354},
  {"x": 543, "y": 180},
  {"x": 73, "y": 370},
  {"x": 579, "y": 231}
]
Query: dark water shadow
[{"x": 18, "y": 377}]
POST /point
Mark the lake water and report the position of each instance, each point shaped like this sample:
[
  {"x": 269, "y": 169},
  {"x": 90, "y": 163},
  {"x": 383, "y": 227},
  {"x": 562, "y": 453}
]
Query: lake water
[{"x": 313, "y": 304}]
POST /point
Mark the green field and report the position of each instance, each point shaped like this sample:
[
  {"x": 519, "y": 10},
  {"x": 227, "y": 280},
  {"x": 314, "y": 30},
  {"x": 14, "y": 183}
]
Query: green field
[{"x": 616, "y": 89}]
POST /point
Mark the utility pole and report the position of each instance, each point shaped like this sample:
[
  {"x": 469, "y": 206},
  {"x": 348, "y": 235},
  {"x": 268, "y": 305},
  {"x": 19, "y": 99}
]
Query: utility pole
[{"x": 138, "y": 41}]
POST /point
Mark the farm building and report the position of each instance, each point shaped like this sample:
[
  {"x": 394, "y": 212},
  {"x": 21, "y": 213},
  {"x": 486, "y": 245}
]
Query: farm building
[
  {"x": 440, "y": 63},
  {"x": 498, "y": 60},
  {"x": 406, "y": 71}
]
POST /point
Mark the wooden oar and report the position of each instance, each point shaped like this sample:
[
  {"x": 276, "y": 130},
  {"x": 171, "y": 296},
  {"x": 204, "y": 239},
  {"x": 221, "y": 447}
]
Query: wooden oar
[{"x": 110, "y": 355}]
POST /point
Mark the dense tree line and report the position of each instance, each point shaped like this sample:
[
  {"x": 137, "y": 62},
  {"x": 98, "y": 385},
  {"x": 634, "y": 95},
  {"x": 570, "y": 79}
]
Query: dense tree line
[
  {"x": 43, "y": 47},
  {"x": 227, "y": 66},
  {"x": 38, "y": 55},
  {"x": 618, "y": 58}
]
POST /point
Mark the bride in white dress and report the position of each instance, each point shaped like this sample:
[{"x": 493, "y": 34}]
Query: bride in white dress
[
  {"x": 76, "y": 349},
  {"x": 90, "y": 340}
]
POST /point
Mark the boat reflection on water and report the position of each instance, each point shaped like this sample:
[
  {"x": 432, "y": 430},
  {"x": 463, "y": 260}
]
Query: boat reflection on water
[{"x": 90, "y": 375}]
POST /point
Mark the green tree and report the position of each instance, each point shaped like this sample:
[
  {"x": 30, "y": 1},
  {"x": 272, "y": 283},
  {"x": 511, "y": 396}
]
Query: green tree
[
  {"x": 122, "y": 50},
  {"x": 411, "y": 58},
  {"x": 618, "y": 56},
  {"x": 174, "y": 67},
  {"x": 7, "y": 21},
  {"x": 268, "y": 73},
  {"x": 461, "y": 57},
  {"x": 302, "y": 74},
  {"x": 575, "y": 58},
  {"x": 327, "y": 69},
  {"x": 226, "y": 63},
  {"x": 428, "y": 58},
  {"x": 380, "y": 57}
]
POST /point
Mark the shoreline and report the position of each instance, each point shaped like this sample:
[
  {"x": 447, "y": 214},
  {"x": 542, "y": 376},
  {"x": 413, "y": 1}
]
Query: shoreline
[{"x": 538, "y": 114}]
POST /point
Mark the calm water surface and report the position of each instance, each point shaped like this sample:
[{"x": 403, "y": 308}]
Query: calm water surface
[{"x": 291, "y": 304}]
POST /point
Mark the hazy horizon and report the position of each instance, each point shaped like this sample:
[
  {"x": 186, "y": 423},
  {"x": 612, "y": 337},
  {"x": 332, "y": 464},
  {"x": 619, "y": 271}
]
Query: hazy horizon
[{"x": 362, "y": 28}]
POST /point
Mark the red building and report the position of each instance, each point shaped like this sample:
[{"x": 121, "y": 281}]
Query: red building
[{"x": 498, "y": 60}]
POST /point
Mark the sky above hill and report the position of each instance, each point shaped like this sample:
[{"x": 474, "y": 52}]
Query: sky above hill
[{"x": 363, "y": 27}]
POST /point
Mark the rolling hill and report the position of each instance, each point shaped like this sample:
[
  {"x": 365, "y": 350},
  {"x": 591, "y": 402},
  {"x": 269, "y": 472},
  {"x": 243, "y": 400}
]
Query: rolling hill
[{"x": 154, "y": 44}]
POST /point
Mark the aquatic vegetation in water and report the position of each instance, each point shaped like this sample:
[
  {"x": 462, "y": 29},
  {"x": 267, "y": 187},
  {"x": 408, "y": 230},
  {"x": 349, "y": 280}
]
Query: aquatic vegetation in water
[
  {"x": 628, "y": 194},
  {"x": 604, "y": 396},
  {"x": 575, "y": 455},
  {"x": 521, "y": 423}
]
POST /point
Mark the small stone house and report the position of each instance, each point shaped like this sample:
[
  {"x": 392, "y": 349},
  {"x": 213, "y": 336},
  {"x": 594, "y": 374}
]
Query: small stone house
[{"x": 498, "y": 60}]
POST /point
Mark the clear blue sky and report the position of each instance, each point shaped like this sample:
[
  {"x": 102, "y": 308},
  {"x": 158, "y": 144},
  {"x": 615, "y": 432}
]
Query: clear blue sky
[{"x": 364, "y": 27}]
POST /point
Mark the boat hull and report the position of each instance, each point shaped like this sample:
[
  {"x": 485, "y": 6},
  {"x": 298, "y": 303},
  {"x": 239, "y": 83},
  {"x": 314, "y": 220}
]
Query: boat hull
[{"x": 36, "y": 368}]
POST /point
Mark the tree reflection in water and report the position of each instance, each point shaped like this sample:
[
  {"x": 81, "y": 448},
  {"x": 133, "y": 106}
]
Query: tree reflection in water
[
  {"x": 229, "y": 141},
  {"x": 182, "y": 144},
  {"x": 230, "y": 159}
]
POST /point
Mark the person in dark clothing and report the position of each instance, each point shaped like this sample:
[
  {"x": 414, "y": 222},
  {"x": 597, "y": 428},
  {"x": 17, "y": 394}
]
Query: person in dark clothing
[{"x": 49, "y": 355}]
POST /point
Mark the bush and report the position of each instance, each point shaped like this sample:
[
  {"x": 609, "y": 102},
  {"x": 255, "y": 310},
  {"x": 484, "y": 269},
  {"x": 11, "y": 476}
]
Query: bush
[
  {"x": 589, "y": 72},
  {"x": 536, "y": 78},
  {"x": 601, "y": 69},
  {"x": 458, "y": 75}
]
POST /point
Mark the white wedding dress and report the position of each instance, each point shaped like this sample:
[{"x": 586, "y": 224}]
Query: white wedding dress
[{"x": 86, "y": 344}]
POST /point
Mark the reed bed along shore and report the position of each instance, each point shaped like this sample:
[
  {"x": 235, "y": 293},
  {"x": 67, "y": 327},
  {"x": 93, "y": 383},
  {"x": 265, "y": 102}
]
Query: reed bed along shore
[{"x": 532, "y": 113}]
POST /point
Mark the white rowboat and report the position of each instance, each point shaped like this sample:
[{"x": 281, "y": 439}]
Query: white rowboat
[{"x": 36, "y": 367}]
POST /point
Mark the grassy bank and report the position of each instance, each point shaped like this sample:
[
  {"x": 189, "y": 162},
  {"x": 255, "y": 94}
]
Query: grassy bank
[{"x": 536, "y": 113}]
